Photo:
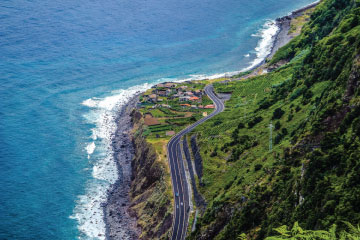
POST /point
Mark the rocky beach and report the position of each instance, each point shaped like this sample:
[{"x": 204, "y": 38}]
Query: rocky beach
[
  {"x": 284, "y": 23},
  {"x": 86, "y": 119},
  {"x": 120, "y": 219},
  {"x": 120, "y": 224}
]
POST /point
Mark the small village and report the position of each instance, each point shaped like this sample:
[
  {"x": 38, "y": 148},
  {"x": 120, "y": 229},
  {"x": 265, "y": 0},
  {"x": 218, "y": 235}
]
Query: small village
[{"x": 167, "y": 107}]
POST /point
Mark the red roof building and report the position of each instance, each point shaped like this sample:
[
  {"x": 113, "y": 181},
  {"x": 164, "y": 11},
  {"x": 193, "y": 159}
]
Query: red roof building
[
  {"x": 209, "y": 106},
  {"x": 194, "y": 99},
  {"x": 185, "y": 105}
]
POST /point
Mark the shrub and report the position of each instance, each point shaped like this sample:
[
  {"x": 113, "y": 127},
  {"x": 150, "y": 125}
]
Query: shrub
[
  {"x": 217, "y": 122},
  {"x": 277, "y": 125},
  {"x": 290, "y": 117},
  {"x": 255, "y": 121},
  {"x": 258, "y": 167},
  {"x": 213, "y": 154},
  {"x": 265, "y": 103},
  {"x": 278, "y": 138},
  {"x": 284, "y": 131},
  {"x": 227, "y": 186},
  {"x": 296, "y": 232},
  {"x": 235, "y": 154},
  {"x": 278, "y": 113},
  {"x": 296, "y": 93},
  {"x": 307, "y": 97}
]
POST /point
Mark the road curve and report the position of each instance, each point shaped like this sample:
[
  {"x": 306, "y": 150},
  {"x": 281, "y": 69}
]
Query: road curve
[{"x": 177, "y": 169}]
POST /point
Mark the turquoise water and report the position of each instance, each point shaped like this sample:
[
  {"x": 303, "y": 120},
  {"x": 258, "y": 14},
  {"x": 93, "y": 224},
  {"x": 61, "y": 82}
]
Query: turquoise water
[{"x": 67, "y": 66}]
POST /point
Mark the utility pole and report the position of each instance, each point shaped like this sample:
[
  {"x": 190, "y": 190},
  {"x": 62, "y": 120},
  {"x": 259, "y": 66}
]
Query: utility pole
[{"x": 270, "y": 138}]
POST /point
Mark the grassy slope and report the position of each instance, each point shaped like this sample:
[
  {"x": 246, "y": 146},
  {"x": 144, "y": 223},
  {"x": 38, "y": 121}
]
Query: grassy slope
[
  {"x": 298, "y": 22},
  {"x": 151, "y": 192},
  {"x": 311, "y": 174}
]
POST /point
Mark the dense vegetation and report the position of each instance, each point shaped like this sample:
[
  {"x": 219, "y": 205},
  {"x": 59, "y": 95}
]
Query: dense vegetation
[
  {"x": 297, "y": 233},
  {"x": 309, "y": 172}
]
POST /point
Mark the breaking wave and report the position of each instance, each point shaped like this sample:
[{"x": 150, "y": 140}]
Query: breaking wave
[{"x": 102, "y": 114}]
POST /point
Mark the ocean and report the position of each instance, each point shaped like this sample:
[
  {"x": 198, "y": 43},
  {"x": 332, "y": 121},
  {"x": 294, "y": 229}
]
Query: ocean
[{"x": 66, "y": 67}]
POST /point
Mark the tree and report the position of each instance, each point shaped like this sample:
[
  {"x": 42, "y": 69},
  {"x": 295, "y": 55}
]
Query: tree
[
  {"x": 254, "y": 121},
  {"x": 278, "y": 113},
  {"x": 277, "y": 125},
  {"x": 297, "y": 233},
  {"x": 284, "y": 131}
]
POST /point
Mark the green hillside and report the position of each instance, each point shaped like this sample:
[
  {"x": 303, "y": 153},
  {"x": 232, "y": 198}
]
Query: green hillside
[{"x": 309, "y": 171}]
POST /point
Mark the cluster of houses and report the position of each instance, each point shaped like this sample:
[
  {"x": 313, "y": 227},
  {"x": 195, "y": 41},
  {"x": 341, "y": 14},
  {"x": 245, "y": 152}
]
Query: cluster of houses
[
  {"x": 186, "y": 105},
  {"x": 173, "y": 92},
  {"x": 176, "y": 94}
]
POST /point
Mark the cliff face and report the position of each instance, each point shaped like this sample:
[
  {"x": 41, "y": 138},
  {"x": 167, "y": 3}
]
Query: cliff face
[{"x": 151, "y": 203}]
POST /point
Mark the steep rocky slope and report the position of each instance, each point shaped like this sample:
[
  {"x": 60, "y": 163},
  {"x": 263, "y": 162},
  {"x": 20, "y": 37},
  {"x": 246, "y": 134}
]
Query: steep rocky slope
[
  {"x": 151, "y": 201},
  {"x": 287, "y": 147}
]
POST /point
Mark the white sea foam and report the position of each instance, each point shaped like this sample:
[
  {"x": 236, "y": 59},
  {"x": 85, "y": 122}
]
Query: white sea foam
[
  {"x": 93, "y": 135},
  {"x": 102, "y": 113},
  {"x": 90, "y": 148},
  {"x": 89, "y": 103},
  {"x": 267, "y": 37}
]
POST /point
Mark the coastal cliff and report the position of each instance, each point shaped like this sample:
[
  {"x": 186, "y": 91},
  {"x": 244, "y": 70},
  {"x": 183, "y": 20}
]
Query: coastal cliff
[
  {"x": 288, "y": 137},
  {"x": 150, "y": 190}
]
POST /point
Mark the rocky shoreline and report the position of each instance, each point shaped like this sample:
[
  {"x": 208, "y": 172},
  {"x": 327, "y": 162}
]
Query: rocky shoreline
[
  {"x": 120, "y": 223},
  {"x": 284, "y": 24}
]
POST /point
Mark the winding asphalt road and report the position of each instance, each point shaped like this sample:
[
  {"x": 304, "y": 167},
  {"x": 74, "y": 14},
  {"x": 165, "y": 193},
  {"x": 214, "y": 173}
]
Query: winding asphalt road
[{"x": 177, "y": 169}]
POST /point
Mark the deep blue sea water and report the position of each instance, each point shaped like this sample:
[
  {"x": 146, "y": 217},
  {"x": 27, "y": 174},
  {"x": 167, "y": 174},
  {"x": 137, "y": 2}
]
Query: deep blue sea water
[{"x": 67, "y": 66}]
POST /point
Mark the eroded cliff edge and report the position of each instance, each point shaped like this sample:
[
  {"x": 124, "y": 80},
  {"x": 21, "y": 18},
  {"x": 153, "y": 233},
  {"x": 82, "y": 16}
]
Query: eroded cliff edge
[{"x": 150, "y": 191}]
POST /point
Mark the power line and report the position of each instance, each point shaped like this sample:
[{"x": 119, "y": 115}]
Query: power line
[{"x": 270, "y": 137}]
